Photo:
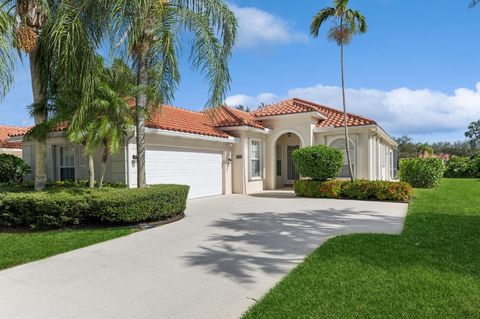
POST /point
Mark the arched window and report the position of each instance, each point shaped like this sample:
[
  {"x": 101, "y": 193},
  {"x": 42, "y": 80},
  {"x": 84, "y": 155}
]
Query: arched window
[{"x": 339, "y": 143}]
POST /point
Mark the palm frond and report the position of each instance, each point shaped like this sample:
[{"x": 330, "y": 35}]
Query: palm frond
[
  {"x": 473, "y": 3},
  {"x": 320, "y": 18},
  {"x": 7, "y": 52}
]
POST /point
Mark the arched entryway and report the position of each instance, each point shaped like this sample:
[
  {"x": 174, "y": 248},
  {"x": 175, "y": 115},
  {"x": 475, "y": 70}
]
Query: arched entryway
[{"x": 284, "y": 171}]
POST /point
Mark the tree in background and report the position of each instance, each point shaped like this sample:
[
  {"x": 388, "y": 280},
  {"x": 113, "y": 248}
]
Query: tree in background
[
  {"x": 243, "y": 108},
  {"x": 346, "y": 24},
  {"x": 60, "y": 38},
  {"x": 473, "y": 134},
  {"x": 148, "y": 31}
]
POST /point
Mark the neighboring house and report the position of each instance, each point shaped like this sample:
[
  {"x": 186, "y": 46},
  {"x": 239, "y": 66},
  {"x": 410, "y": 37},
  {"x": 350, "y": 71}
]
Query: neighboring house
[
  {"x": 7, "y": 147},
  {"x": 230, "y": 151}
]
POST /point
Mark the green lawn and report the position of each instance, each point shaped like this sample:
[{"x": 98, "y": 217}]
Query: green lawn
[
  {"x": 431, "y": 271},
  {"x": 20, "y": 248}
]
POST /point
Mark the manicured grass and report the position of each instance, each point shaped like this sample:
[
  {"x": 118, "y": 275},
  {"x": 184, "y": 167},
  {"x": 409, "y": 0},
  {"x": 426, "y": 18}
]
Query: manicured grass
[
  {"x": 431, "y": 271},
  {"x": 20, "y": 248}
]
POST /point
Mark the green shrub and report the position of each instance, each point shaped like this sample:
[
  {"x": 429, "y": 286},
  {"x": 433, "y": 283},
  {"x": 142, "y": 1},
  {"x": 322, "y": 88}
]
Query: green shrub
[
  {"x": 317, "y": 189},
  {"x": 12, "y": 169},
  {"x": 359, "y": 190},
  {"x": 138, "y": 205},
  {"x": 421, "y": 172},
  {"x": 58, "y": 208},
  {"x": 318, "y": 162},
  {"x": 377, "y": 190},
  {"x": 458, "y": 167},
  {"x": 474, "y": 166}
]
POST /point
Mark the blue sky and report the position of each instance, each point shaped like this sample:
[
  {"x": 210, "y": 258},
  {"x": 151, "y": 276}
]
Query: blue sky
[{"x": 415, "y": 71}]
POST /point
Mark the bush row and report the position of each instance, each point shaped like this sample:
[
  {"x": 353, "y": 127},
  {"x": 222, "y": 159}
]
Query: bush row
[
  {"x": 66, "y": 207},
  {"x": 463, "y": 167},
  {"x": 361, "y": 190},
  {"x": 421, "y": 172}
]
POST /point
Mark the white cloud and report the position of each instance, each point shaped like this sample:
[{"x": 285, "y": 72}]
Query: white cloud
[
  {"x": 402, "y": 110},
  {"x": 257, "y": 27},
  {"x": 250, "y": 101}
]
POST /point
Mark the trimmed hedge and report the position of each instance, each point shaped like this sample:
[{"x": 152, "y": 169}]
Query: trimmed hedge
[
  {"x": 421, "y": 172},
  {"x": 360, "y": 190},
  {"x": 459, "y": 167},
  {"x": 318, "y": 162},
  {"x": 82, "y": 206}
]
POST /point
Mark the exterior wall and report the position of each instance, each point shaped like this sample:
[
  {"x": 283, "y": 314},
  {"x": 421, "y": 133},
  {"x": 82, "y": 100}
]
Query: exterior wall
[
  {"x": 374, "y": 154},
  {"x": 114, "y": 171},
  {"x": 242, "y": 182},
  {"x": 12, "y": 151},
  {"x": 300, "y": 125}
]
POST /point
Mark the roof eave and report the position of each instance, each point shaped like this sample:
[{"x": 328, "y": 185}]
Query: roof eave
[
  {"x": 246, "y": 128},
  {"x": 313, "y": 114},
  {"x": 229, "y": 139}
]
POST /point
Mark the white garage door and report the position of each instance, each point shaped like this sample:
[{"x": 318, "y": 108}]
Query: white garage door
[{"x": 201, "y": 170}]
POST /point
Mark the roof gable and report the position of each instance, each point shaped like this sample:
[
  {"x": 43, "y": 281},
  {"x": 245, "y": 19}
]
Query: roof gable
[{"x": 334, "y": 117}]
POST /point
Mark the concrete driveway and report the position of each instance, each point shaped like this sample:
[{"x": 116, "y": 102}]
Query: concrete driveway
[{"x": 227, "y": 253}]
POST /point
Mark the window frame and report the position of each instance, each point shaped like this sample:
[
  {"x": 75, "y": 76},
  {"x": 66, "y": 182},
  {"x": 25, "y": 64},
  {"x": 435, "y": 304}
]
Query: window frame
[
  {"x": 353, "y": 156},
  {"x": 278, "y": 160},
  {"x": 251, "y": 159},
  {"x": 61, "y": 157}
]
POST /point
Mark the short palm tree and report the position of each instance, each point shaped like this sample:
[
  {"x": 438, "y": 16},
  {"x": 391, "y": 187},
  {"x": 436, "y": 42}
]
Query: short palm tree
[
  {"x": 106, "y": 120},
  {"x": 149, "y": 31},
  {"x": 346, "y": 24},
  {"x": 60, "y": 38}
]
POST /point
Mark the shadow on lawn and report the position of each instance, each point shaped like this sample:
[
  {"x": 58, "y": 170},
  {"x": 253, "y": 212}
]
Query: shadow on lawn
[{"x": 275, "y": 242}]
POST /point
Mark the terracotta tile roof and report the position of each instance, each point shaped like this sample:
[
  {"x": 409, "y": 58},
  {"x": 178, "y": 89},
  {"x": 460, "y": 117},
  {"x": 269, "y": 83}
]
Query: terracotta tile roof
[
  {"x": 8, "y": 131},
  {"x": 209, "y": 123},
  {"x": 294, "y": 106},
  {"x": 227, "y": 117},
  {"x": 179, "y": 120}
]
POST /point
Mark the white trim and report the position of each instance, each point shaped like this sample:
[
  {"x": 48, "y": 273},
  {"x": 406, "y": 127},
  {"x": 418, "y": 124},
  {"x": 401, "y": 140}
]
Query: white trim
[
  {"x": 246, "y": 128},
  {"x": 302, "y": 114},
  {"x": 375, "y": 128},
  {"x": 155, "y": 131}
]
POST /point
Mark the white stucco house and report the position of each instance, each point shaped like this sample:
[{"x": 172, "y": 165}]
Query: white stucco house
[{"x": 230, "y": 151}]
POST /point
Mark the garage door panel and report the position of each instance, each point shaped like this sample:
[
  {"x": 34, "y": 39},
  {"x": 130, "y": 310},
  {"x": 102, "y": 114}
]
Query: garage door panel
[{"x": 201, "y": 170}]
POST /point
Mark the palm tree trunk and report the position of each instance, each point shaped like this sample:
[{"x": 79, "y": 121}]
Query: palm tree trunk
[
  {"x": 141, "y": 111},
  {"x": 345, "y": 115},
  {"x": 91, "y": 172},
  {"x": 39, "y": 100},
  {"x": 103, "y": 166}
]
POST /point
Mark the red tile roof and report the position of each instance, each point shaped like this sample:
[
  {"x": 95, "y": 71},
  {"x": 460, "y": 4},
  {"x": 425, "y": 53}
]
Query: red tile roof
[
  {"x": 295, "y": 106},
  {"x": 8, "y": 131},
  {"x": 211, "y": 122},
  {"x": 179, "y": 120},
  {"x": 227, "y": 117}
]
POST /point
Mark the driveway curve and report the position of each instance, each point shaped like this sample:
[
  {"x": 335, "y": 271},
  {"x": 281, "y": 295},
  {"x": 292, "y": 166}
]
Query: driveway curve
[{"x": 226, "y": 254}]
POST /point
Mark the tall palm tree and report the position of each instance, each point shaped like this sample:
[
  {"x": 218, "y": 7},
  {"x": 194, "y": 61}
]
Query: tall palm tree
[
  {"x": 148, "y": 31},
  {"x": 473, "y": 3},
  {"x": 346, "y": 24},
  {"x": 60, "y": 38}
]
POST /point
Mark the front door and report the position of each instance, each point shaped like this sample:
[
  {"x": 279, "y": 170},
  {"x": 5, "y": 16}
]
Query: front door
[{"x": 292, "y": 173}]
